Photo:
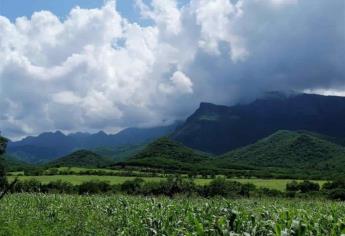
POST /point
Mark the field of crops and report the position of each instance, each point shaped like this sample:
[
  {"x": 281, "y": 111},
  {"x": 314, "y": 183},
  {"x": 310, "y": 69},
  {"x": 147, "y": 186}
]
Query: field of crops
[{"x": 32, "y": 214}]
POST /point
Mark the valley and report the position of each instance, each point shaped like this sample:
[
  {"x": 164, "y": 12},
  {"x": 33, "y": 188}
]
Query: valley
[{"x": 291, "y": 168}]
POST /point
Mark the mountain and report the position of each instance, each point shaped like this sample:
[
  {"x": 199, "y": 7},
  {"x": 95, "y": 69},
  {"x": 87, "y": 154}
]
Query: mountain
[
  {"x": 288, "y": 150},
  {"x": 82, "y": 158},
  {"x": 12, "y": 164},
  {"x": 219, "y": 129},
  {"x": 167, "y": 154},
  {"x": 120, "y": 153},
  {"x": 51, "y": 145}
]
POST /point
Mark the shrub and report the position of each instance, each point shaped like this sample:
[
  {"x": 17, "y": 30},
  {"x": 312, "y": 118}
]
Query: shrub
[
  {"x": 221, "y": 187},
  {"x": 59, "y": 187},
  {"x": 31, "y": 185},
  {"x": 308, "y": 186},
  {"x": 132, "y": 186},
  {"x": 94, "y": 186},
  {"x": 292, "y": 186},
  {"x": 336, "y": 184},
  {"x": 305, "y": 187},
  {"x": 337, "y": 194}
]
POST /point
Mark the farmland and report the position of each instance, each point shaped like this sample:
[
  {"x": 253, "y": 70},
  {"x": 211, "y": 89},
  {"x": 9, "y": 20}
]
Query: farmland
[
  {"x": 278, "y": 184},
  {"x": 39, "y": 214}
]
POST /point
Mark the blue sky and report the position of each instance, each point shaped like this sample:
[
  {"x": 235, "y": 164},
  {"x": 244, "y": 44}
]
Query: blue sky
[{"x": 17, "y": 8}]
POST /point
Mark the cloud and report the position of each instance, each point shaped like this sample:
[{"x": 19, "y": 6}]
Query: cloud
[
  {"x": 179, "y": 83},
  {"x": 95, "y": 69}
]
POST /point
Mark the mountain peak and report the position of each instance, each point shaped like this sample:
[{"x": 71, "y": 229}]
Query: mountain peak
[{"x": 218, "y": 129}]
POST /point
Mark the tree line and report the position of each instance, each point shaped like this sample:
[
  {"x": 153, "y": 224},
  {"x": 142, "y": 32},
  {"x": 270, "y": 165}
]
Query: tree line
[{"x": 176, "y": 185}]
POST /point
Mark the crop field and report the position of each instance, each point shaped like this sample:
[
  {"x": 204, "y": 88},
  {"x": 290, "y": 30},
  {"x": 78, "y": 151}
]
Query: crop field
[
  {"x": 39, "y": 214},
  {"x": 278, "y": 184}
]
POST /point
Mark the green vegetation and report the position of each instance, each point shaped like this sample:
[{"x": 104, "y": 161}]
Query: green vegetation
[
  {"x": 285, "y": 151},
  {"x": 40, "y": 214},
  {"x": 3, "y": 144},
  {"x": 3, "y": 181},
  {"x": 79, "y": 179},
  {"x": 82, "y": 158},
  {"x": 12, "y": 164},
  {"x": 167, "y": 154},
  {"x": 120, "y": 153},
  {"x": 277, "y": 184}
]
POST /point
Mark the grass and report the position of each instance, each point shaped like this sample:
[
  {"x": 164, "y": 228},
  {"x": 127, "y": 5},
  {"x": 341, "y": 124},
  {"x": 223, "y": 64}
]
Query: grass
[
  {"x": 39, "y": 214},
  {"x": 78, "y": 179},
  {"x": 278, "y": 184}
]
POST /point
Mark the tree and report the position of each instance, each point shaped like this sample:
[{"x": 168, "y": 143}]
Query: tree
[
  {"x": 3, "y": 181},
  {"x": 308, "y": 186},
  {"x": 292, "y": 186},
  {"x": 4, "y": 186}
]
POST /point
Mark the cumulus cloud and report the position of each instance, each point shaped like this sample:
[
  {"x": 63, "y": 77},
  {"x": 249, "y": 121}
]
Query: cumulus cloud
[
  {"x": 179, "y": 83},
  {"x": 95, "y": 69}
]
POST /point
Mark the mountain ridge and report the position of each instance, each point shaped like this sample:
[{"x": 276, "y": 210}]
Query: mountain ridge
[
  {"x": 51, "y": 145},
  {"x": 218, "y": 129}
]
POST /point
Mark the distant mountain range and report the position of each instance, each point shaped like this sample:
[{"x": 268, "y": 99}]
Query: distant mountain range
[
  {"x": 219, "y": 129},
  {"x": 278, "y": 133},
  {"x": 52, "y": 145}
]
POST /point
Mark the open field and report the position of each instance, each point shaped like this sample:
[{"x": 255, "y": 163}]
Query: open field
[
  {"x": 278, "y": 184},
  {"x": 39, "y": 214}
]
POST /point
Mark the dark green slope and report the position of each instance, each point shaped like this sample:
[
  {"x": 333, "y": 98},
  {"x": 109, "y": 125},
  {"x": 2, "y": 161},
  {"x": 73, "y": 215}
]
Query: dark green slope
[
  {"x": 82, "y": 158},
  {"x": 121, "y": 153},
  {"x": 288, "y": 149},
  {"x": 167, "y": 154},
  {"x": 13, "y": 164}
]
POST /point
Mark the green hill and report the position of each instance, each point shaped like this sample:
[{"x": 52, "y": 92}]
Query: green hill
[
  {"x": 167, "y": 154},
  {"x": 13, "y": 164},
  {"x": 82, "y": 158},
  {"x": 121, "y": 153},
  {"x": 289, "y": 150}
]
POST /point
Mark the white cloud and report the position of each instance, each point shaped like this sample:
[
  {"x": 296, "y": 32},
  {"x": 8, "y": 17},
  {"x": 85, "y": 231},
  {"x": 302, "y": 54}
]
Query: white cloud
[
  {"x": 216, "y": 19},
  {"x": 165, "y": 14},
  {"x": 179, "y": 84},
  {"x": 97, "y": 70}
]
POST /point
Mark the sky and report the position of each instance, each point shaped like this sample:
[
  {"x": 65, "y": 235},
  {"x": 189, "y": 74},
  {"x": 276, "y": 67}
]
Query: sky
[{"x": 90, "y": 65}]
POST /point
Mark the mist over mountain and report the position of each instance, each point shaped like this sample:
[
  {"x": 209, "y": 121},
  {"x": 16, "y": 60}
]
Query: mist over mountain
[{"x": 218, "y": 129}]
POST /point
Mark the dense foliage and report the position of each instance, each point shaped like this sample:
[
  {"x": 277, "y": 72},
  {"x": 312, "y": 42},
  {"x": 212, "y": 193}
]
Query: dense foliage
[
  {"x": 167, "y": 154},
  {"x": 39, "y": 214},
  {"x": 82, "y": 158},
  {"x": 288, "y": 151},
  {"x": 3, "y": 181}
]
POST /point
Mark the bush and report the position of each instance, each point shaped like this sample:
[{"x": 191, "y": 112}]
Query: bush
[
  {"x": 292, "y": 186},
  {"x": 337, "y": 194},
  {"x": 31, "y": 186},
  {"x": 59, "y": 187},
  {"x": 337, "y": 184},
  {"x": 132, "y": 186},
  {"x": 308, "y": 186},
  {"x": 305, "y": 186},
  {"x": 222, "y": 187},
  {"x": 94, "y": 187}
]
